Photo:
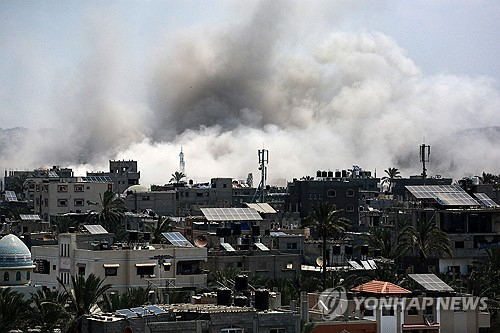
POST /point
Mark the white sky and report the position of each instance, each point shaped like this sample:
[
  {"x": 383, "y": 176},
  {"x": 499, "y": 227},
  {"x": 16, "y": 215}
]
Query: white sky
[{"x": 48, "y": 48}]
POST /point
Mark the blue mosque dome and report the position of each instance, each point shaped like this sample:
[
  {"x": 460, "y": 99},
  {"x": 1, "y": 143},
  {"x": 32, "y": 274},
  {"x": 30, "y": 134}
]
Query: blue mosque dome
[{"x": 14, "y": 253}]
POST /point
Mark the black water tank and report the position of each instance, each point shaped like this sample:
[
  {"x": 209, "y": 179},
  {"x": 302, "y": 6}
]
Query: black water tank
[
  {"x": 241, "y": 282},
  {"x": 236, "y": 229},
  {"x": 336, "y": 249},
  {"x": 133, "y": 235},
  {"x": 224, "y": 296},
  {"x": 330, "y": 174},
  {"x": 261, "y": 299},
  {"x": 377, "y": 253},
  {"x": 364, "y": 250},
  {"x": 241, "y": 301},
  {"x": 348, "y": 250},
  {"x": 256, "y": 230},
  {"x": 344, "y": 173},
  {"x": 318, "y": 173},
  {"x": 146, "y": 236},
  {"x": 338, "y": 174},
  {"x": 324, "y": 174}
]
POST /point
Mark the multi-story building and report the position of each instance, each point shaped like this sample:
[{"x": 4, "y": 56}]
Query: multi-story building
[
  {"x": 125, "y": 266},
  {"x": 54, "y": 196},
  {"x": 122, "y": 173}
]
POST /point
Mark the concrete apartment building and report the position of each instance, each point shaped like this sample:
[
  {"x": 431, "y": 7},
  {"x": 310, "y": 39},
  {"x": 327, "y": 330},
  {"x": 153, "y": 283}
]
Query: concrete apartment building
[
  {"x": 122, "y": 173},
  {"x": 160, "y": 266}
]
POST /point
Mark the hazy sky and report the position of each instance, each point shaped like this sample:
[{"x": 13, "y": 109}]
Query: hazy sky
[{"x": 321, "y": 84}]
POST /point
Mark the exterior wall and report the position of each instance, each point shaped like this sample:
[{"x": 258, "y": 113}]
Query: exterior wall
[
  {"x": 63, "y": 197},
  {"x": 340, "y": 327},
  {"x": 161, "y": 202},
  {"x": 304, "y": 194},
  {"x": 123, "y": 174},
  {"x": 177, "y": 264},
  {"x": 253, "y": 263}
]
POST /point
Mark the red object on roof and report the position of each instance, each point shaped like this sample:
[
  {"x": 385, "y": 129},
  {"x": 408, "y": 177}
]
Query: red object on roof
[{"x": 381, "y": 287}]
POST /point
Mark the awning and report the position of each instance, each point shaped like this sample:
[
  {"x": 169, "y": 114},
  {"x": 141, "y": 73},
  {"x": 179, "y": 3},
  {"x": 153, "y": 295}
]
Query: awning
[
  {"x": 167, "y": 264},
  {"x": 145, "y": 265},
  {"x": 81, "y": 264},
  {"x": 111, "y": 265}
]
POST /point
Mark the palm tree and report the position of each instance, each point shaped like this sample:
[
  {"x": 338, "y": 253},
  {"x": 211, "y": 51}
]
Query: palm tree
[
  {"x": 164, "y": 224},
  {"x": 111, "y": 211},
  {"x": 380, "y": 238},
  {"x": 425, "y": 239},
  {"x": 392, "y": 173},
  {"x": 132, "y": 298},
  {"x": 327, "y": 220},
  {"x": 12, "y": 310},
  {"x": 177, "y": 177},
  {"x": 488, "y": 178},
  {"x": 83, "y": 296},
  {"x": 63, "y": 223},
  {"x": 307, "y": 178},
  {"x": 48, "y": 310}
]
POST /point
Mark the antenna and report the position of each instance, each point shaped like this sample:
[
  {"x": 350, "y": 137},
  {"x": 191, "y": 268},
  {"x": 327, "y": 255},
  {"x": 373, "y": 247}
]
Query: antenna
[
  {"x": 425, "y": 152},
  {"x": 263, "y": 160}
]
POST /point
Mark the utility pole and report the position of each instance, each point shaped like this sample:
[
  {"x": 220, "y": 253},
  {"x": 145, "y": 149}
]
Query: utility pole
[
  {"x": 425, "y": 151},
  {"x": 263, "y": 160}
]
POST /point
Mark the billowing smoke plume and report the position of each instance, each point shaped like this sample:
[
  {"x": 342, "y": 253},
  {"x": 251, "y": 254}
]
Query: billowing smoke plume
[{"x": 223, "y": 92}]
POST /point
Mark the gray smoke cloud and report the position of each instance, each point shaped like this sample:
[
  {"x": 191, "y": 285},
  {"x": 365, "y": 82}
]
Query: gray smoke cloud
[{"x": 222, "y": 92}]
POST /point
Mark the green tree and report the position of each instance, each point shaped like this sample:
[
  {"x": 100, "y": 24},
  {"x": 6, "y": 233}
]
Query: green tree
[
  {"x": 381, "y": 238},
  {"x": 63, "y": 223},
  {"x": 110, "y": 212},
  {"x": 488, "y": 178},
  {"x": 133, "y": 297},
  {"x": 424, "y": 239},
  {"x": 48, "y": 310},
  {"x": 177, "y": 177},
  {"x": 13, "y": 308},
  {"x": 83, "y": 296},
  {"x": 163, "y": 224},
  {"x": 328, "y": 222},
  {"x": 392, "y": 173}
]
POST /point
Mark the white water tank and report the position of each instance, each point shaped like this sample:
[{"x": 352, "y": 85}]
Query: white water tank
[{"x": 475, "y": 180}]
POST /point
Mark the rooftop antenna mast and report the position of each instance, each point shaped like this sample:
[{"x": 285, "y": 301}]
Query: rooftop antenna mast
[
  {"x": 425, "y": 152},
  {"x": 263, "y": 160}
]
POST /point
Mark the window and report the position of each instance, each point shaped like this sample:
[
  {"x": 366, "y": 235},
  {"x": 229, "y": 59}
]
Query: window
[
  {"x": 28, "y": 275},
  {"x": 277, "y": 330},
  {"x": 42, "y": 267},
  {"x": 387, "y": 311},
  {"x": 289, "y": 265},
  {"x": 78, "y": 188},
  {"x": 291, "y": 246},
  {"x": 231, "y": 330},
  {"x": 459, "y": 244},
  {"x": 6, "y": 276},
  {"x": 145, "y": 198},
  {"x": 349, "y": 193},
  {"x": 81, "y": 270},
  {"x": 62, "y": 188},
  {"x": 18, "y": 276},
  {"x": 110, "y": 271},
  {"x": 349, "y": 208},
  {"x": 199, "y": 194},
  {"x": 146, "y": 270},
  {"x": 62, "y": 202}
]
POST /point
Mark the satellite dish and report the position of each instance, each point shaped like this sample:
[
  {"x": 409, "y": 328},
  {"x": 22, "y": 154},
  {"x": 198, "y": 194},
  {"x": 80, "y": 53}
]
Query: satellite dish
[
  {"x": 319, "y": 261},
  {"x": 200, "y": 241}
]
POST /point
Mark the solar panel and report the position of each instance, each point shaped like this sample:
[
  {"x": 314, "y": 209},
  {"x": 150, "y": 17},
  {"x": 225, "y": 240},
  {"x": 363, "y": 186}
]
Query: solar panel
[
  {"x": 231, "y": 214},
  {"x": 177, "y": 239},
  {"x": 446, "y": 195},
  {"x": 430, "y": 282},
  {"x": 155, "y": 309},
  {"x": 95, "y": 229},
  {"x": 372, "y": 264},
  {"x": 104, "y": 179},
  {"x": 277, "y": 233},
  {"x": 366, "y": 265},
  {"x": 53, "y": 174},
  {"x": 127, "y": 313},
  {"x": 261, "y": 207},
  {"x": 142, "y": 312},
  {"x": 261, "y": 247},
  {"x": 10, "y": 196},
  {"x": 30, "y": 217},
  {"x": 227, "y": 247},
  {"x": 355, "y": 264},
  {"x": 485, "y": 200}
]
